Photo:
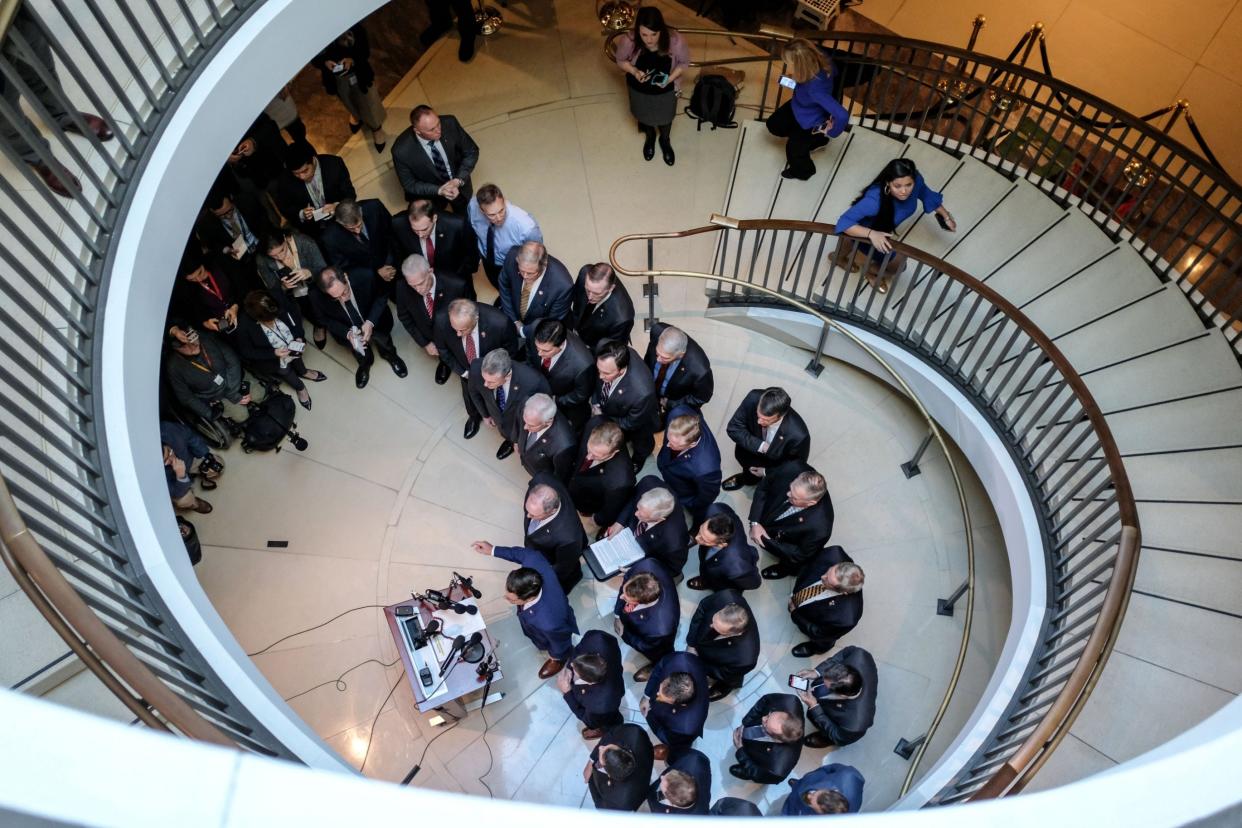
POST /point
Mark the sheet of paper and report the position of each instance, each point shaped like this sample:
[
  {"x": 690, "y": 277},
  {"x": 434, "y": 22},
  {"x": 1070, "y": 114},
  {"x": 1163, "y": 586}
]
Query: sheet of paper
[{"x": 617, "y": 552}]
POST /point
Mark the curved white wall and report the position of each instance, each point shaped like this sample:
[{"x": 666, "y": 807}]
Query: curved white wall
[{"x": 234, "y": 86}]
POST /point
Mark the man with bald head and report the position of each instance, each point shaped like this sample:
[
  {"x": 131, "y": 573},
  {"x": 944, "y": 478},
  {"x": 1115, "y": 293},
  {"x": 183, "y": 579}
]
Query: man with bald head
[
  {"x": 421, "y": 295},
  {"x": 499, "y": 387},
  {"x": 534, "y": 286},
  {"x": 468, "y": 332},
  {"x": 769, "y": 740},
  {"x": 434, "y": 158},
  {"x": 791, "y": 516},
  {"x": 548, "y": 443},
  {"x": 552, "y": 528}
]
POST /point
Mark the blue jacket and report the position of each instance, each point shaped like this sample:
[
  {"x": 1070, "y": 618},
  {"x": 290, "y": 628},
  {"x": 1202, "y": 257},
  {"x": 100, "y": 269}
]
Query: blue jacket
[
  {"x": 813, "y": 103},
  {"x": 651, "y": 631},
  {"x": 868, "y": 207},
  {"x": 736, "y": 565},
  {"x": 834, "y": 777},
  {"x": 598, "y": 705},
  {"x": 678, "y": 724},
  {"x": 694, "y": 475},
  {"x": 550, "y": 624},
  {"x": 551, "y": 301}
]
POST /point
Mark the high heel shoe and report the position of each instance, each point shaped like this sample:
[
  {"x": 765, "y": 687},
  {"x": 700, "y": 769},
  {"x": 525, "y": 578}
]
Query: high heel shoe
[{"x": 304, "y": 400}]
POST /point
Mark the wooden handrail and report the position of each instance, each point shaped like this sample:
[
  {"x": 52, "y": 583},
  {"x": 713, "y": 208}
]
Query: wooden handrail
[
  {"x": 81, "y": 629},
  {"x": 1017, "y": 771}
]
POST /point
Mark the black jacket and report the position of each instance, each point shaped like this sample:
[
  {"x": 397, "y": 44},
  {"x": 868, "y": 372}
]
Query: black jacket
[
  {"x": 792, "y": 441},
  {"x": 601, "y": 491},
  {"x": 798, "y": 537},
  {"x": 599, "y": 705},
  {"x": 292, "y": 197},
  {"x": 669, "y": 540},
  {"x": 495, "y": 331},
  {"x": 553, "y": 453},
  {"x": 359, "y": 51},
  {"x": 252, "y": 344},
  {"x": 215, "y": 238},
  {"x": 691, "y": 382},
  {"x": 626, "y": 794},
  {"x": 343, "y": 249},
  {"x": 573, "y": 379},
  {"x": 412, "y": 308},
  {"x": 417, "y": 173},
  {"x": 697, "y": 765},
  {"x": 632, "y": 404},
  {"x": 456, "y": 248},
  {"x": 561, "y": 539},
  {"x": 523, "y": 382},
  {"x": 612, "y": 320},
  {"x": 653, "y": 630},
  {"x": 724, "y": 659},
  {"x": 371, "y": 301},
  {"x": 845, "y": 720},
  {"x": 770, "y": 762},
  {"x": 736, "y": 565},
  {"x": 828, "y": 619}
]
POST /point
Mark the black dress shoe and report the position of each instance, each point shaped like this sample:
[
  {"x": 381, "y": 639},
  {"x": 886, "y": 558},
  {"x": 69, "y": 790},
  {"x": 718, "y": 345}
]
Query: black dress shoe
[
  {"x": 442, "y": 373},
  {"x": 733, "y": 483},
  {"x": 739, "y": 772},
  {"x": 398, "y": 366},
  {"x": 773, "y": 573},
  {"x": 472, "y": 428},
  {"x": 465, "y": 52},
  {"x": 696, "y": 583},
  {"x": 793, "y": 176},
  {"x": 362, "y": 377},
  {"x": 667, "y": 149},
  {"x": 649, "y": 148},
  {"x": 809, "y": 648},
  {"x": 506, "y": 449},
  {"x": 817, "y": 740},
  {"x": 718, "y": 691}
]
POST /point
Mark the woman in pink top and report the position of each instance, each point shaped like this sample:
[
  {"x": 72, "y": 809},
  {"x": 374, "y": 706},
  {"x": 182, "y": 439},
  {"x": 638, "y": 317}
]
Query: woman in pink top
[{"x": 653, "y": 59}]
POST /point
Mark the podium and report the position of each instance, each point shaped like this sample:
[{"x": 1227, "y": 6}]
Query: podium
[{"x": 446, "y": 692}]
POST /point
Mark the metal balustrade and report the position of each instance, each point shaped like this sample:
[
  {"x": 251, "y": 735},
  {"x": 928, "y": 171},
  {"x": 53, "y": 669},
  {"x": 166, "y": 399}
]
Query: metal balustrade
[{"x": 1025, "y": 387}]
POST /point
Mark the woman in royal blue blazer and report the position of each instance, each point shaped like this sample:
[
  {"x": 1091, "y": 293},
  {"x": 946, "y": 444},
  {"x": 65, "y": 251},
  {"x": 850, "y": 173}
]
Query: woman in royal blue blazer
[
  {"x": 884, "y": 204},
  {"x": 812, "y": 115}
]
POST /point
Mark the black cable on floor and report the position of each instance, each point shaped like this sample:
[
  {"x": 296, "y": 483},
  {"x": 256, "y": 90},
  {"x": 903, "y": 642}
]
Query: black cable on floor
[
  {"x": 317, "y": 626},
  {"x": 419, "y": 766},
  {"x": 341, "y": 686},
  {"x": 371, "y": 735}
]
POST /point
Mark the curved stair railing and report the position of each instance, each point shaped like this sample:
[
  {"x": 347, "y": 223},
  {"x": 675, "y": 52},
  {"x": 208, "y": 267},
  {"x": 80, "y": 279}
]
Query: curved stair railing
[
  {"x": 1036, "y": 403},
  {"x": 1139, "y": 184}
]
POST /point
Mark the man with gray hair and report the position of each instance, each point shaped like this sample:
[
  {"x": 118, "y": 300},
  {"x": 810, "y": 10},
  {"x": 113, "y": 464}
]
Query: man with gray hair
[
  {"x": 791, "y": 516},
  {"x": 826, "y": 600},
  {"x": 553, "y": 529},
  {"x": 603, "y": 477},
  {"x": 533, "y": 287},
  {"x": 654, "y": 516},
  {"x": 724, "y": 635},
  {"x": 499, "y": 388},
  {"x": 360, "y": 237},
  {"x": 466, "y": 333},
  {"x": 421, "y": 296},
  {"x": 548, "y": 442},
  {"x": 355, "y": 311},
  {"x": 681, "y": 369}
]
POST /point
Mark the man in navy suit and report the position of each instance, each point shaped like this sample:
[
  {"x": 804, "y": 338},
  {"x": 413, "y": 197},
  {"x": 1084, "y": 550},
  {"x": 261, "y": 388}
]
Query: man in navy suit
[
  {"x": 685, "y": 786},
  {"x": 827, "y": 600},
  {"x": 543, "y": 610},
  {"x": 726, "y": 560},
  {"x": 647, "y": 612},
  {"x": 675, "y": 703},
  {"x": 619, "y": 770},
  {"x": 552, "y": 528},
  {"x": 769, "y": 740},
  {"x": 359, "y": 236},
  {"x": 791, "y": 516},
  {"x": 626, "y": 396},
  {"x": 724, "y": 635},
  {"x": 500, "y": 387},
  {"x": 533, "y": 287},
  {"x": 832, "y": 789},
  {"x": 655, "y": 518},
  {"x": 733, "y": 806},
  {"x": 689, "y": 460},
  {"x": 841, "y": 701},
  {"x": 592, "y": 684},
  {"x": 680, "y": 368}
]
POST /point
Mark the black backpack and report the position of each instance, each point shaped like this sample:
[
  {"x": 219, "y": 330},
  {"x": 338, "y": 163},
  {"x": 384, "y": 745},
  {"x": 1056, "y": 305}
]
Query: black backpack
[
  {"x": 713, "y": 101},
  {"x": 269, "y": 423}
]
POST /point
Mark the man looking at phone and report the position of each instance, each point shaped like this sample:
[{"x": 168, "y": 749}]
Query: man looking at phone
[{"x": 840, "y": 697}]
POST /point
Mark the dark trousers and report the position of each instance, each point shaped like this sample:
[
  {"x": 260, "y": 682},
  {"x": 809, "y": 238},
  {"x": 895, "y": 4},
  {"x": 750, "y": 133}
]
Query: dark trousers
[
  {"x": 471, "y": 411},
  {"x": 492, "y": 271},
  {"x": 568, "y": 569},
  {"x": 746, "y": 459},
  {"x": 380, "y": 341},
  {"x": 642, "y": 444},
  {"x": 754, "y": 772},
  {"x": 442, "y": 19},
  {"x": 783, "y": 124}
]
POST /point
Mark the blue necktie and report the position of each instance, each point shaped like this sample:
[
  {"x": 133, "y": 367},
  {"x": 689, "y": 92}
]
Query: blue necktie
[
  {"x": 438, "y": 160},
  {"x": 500, "y": 399}
]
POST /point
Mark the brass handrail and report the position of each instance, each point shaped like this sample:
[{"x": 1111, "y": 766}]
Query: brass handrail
[
  {"x": 1017, "y": 771},
  {"x": 721, "y": 222},
  {"x": 99, "y": 648}
]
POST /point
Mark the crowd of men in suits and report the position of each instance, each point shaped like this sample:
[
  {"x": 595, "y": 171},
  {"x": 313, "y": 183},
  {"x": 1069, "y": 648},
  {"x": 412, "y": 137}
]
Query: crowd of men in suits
[{"x": 550, "y": 369}]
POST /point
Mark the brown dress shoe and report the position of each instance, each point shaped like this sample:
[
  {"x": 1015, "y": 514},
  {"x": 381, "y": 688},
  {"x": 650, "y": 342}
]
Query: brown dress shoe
[
  {"x": 202, "y": 507},
  {"x": 58, "y": 185},
  {"x": 660, "y": 752},
  {"x": 644, "y": 673},
  {"x": 591, "y": 733},
  {"x": 550, "y": 668},
  {"x": 95, "y": 124}
]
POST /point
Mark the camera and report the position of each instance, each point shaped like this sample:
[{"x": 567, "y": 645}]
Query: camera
[
  {"x": 244, "y": 388},
  {"x": 210, "y": 464}
]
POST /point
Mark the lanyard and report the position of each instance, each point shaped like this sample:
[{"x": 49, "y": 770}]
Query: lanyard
[{"x": 214, "y": 289}]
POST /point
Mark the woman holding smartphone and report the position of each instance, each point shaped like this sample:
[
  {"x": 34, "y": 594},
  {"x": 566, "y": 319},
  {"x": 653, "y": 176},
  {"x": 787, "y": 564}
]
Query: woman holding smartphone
[
  {"x": 884, "y": 204},
  {"x": 289, "y": 262},
  {"x": 270, "y": 339},
  {"x": 811, "y": 115},
  {"x": 653, "y": 58}
]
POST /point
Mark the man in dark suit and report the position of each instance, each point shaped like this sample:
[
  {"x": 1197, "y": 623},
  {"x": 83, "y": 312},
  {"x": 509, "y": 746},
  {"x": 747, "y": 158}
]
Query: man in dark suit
[
  {"x": 434, "y": 158},
  {"x": 603, "y": 476},
  {"x": 689, "y": 461},
  {"x": 533, "y": 287},
  {"x": 791, "y": 516},
  {"x": 832, "y": 789},
  {"x": 726, "y": 560},
  {"x": 358, "y": 237},
  {"x": 422, "y": 297},
  {"x": 767, "y": 432},
  {"x": 734, "y": 806},
  {"x": 356, "y": 313},
  {"x": 553, "y": 529},
  {"x": 654, "y": 516},
  {"x": 647, "y": 613},
  {"x": 841, "y": 700},
  {"x": 601, "y": 309},
  {"x": 725, "y": 636},
  {"x": 443, "y": 239},
  {"x": 570, "y": 368},
  {"x": 685, "y": 786},
  {"x": 827, "y": 600},
  {"x": 675, "y": 703},
  {"x": 593, "y": 684},
  {"x": 499, "y": 387},
  {"x": 548, "y": 444},
  {"x": 769, "y": 740},
  {"x": 619, "y": 769},
  {"x": 468, "y": 332},
  {"x": 312, "y": 182},
  {"x": 544, "y": 612},
  {"x": 233, "y": 226},
  {"x": 681, "y": 370},
  {"x": 626, "y": 396}
]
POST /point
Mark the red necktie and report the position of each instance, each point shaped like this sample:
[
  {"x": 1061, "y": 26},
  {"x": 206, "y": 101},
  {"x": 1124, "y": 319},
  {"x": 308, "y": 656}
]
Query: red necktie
[
  {"x": 642, "y": 527},
  {"x": 430, "y": 301},
  {"x": 659, "y": 377},
  {"x": 586, "y": 464},
  {"x": 547, "y": 363},
  {"x": 468, "y": 342},
  {"x": 431, "y": 251}
]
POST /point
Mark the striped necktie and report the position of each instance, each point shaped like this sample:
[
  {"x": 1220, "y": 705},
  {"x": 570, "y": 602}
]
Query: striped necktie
[
  {"x": 524, "y": 302},
  {"x": 807, "y": 593},
  {"x": 437, "y": 159}
]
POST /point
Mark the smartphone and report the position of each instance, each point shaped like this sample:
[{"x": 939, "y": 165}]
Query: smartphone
[
  {"x": 788, "y": 82},
  {"x": 799, "y": 683},
  {"x": 944, "y": 224},
  {"x": 297, "y": 348},
  {"x": 338, "y": 68},
  {"x": 658, "y": 78},
  {"x": 400, "y": 612}
]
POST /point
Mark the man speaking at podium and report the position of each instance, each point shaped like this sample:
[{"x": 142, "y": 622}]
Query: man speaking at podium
[{"x": 544, "y": 612}]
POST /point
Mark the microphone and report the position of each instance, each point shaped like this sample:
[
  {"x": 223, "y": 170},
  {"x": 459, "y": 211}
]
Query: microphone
[
  {"x": 458, "y": 643},
  {"x": 468, "y": 585},
  {"x": 432, "y": 629},
  {"x": 443, "y": 602}
]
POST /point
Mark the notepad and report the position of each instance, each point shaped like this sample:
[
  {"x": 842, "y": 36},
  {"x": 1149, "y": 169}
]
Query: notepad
[{"x": 608, "y": 556}]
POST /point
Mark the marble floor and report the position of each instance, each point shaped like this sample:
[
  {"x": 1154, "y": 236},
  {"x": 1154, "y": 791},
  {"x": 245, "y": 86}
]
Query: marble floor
[{"x": 389, "y": 496}]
